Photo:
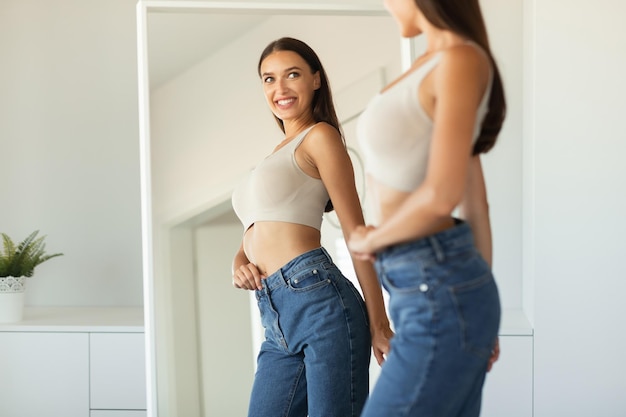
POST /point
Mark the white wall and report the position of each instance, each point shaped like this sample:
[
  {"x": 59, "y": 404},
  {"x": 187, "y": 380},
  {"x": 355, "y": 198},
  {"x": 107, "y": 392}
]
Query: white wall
[
  {"x": 503, "y": 164},
  {"x": 69, "y": 146},
  {"x": 577, "y": 142},
  {"x": 224, "y": 325}
]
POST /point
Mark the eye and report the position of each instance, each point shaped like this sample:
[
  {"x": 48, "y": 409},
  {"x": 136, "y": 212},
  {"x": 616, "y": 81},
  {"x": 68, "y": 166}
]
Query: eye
[
  {"x": 293, "y": 74},
  {"x": 268, "y": 79}
]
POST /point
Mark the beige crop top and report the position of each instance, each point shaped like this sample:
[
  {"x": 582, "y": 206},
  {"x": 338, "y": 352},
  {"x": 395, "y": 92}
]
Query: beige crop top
[
  {"x": 394, "y": 131},
  {"x": 278, "y": 190}
]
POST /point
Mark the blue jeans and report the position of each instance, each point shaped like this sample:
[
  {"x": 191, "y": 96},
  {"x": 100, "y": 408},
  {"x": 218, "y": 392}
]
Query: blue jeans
[
  {"x": 445, "y": 307},
  {"x": 315, "y": 357}
]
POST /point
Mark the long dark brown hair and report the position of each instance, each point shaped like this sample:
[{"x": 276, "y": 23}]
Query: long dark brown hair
[
  {"x": 465, "y": 18},
  {"x": 323, "y": 106}
]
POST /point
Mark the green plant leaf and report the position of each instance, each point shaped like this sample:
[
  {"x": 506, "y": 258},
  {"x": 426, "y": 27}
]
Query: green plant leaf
[{"x": 22, "y": 259}]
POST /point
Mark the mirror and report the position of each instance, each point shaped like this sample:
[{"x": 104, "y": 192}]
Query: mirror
[{"x": 204, "y": 124}]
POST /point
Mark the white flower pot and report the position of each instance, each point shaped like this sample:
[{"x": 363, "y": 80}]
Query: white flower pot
[{"x": 11, "y": 299}]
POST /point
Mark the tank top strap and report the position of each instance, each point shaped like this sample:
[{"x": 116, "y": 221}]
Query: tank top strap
[
  {"x": 430, "y": 63},
  {"x": 298, "y": 139}
]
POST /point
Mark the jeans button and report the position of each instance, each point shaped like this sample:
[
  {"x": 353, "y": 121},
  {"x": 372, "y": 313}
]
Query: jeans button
[{"x": 423, "y": 287}]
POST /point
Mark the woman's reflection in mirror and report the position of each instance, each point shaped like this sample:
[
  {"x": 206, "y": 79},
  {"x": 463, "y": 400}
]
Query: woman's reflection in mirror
[{"x": 319, "y": 331}]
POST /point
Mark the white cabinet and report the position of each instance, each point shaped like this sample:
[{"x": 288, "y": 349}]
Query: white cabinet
[
  {"x": 117, "y": 371},
  {"x": 44, "y": 374},
  {"x": 508, "y": 389},
  {"x": 73, "y": 362}
]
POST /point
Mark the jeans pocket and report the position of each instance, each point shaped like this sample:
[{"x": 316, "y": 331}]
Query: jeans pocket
[
  {"x": 308, "y": 280},
  {"x": 477, "y": 307},
  {"x": 406, "y": 277}
]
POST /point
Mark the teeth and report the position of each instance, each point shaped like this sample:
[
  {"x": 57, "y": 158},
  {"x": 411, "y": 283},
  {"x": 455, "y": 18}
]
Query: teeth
[{"x": 284, "y": 102}]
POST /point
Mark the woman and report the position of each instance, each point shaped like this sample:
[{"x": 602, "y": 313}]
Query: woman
[
  {"x": 315, "y": 357},
  {"x": 421, "y": 138}
]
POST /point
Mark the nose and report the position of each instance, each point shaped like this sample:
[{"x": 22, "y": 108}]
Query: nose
[{"x": 281, "y": 85}]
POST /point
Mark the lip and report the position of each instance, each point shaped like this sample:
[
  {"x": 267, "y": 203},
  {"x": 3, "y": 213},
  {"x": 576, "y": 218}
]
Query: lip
[{"x": 285, "y": 102}]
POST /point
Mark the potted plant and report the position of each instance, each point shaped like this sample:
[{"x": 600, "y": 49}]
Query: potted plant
[{"x": 16, "y": 263}]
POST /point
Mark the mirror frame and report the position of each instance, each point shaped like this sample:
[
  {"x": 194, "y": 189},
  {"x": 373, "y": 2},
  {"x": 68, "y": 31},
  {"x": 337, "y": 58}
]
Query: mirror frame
[{"x": 150, "y": 6}]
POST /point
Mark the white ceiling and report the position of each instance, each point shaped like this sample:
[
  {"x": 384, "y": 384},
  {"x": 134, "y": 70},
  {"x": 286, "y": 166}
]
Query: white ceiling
[{"x": 177, "y": 41}]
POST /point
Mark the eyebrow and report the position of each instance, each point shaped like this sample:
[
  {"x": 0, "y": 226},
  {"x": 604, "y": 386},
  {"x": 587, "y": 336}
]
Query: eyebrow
[{"x": 287, "y": 70}]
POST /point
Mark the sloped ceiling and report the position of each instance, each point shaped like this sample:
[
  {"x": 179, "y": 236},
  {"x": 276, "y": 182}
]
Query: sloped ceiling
[{"x": 177, "y": 41}]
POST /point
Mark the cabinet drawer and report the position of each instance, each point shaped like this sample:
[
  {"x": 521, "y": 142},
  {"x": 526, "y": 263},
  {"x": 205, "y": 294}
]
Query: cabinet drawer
[
  {"x": 44, "y": 374},
  {"x": 118, "y": 372}
]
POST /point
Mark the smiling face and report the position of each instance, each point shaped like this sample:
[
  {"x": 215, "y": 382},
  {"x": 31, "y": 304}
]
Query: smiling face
[{"x": 289, "y": 86}]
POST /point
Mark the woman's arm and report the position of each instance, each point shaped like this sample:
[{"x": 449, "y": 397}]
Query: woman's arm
[
  {"x": 325, "y": 150},
  {"x": 474, "y": 209}
]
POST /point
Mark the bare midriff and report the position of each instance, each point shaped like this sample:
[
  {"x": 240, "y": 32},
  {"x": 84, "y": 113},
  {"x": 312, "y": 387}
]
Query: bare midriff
[
  {"x": 270, "y": 245},
  {"x": 388, "y": 200}
]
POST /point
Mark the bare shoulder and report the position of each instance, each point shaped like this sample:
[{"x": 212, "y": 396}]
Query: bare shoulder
[
  {"x": 323, "y": 135},
  {"x": 464, "y": 71},
  {"x": 465, "y": 63},
  {"x": 324, "y": 130}
]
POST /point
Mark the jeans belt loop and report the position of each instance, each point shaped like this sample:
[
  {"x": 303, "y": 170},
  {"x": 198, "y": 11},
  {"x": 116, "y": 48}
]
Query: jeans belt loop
[{"x": 439, "y": 254}]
